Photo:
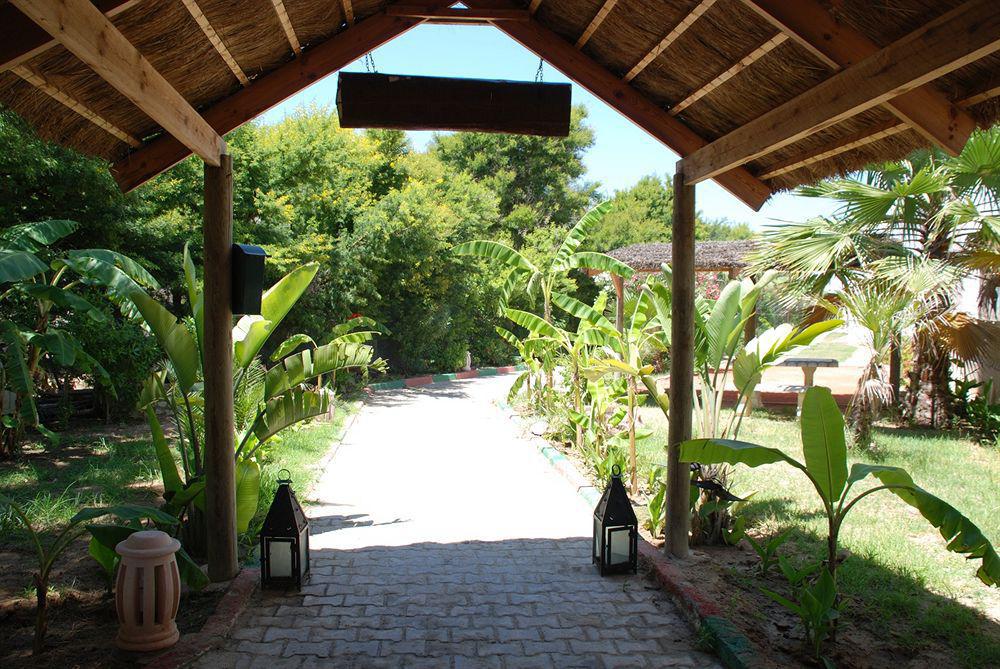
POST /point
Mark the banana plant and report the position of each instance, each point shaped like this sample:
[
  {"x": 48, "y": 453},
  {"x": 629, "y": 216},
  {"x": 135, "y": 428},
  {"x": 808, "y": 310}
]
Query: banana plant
[
  {"x": 267, "y": 400},
  {"x": 542, "y": 278},
  {"x": 31, "y": 270},
  {"x": 824, "y": 448}
]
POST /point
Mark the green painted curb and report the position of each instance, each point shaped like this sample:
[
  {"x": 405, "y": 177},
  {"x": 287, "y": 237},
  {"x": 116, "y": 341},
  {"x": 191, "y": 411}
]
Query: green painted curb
[
  {"x": 733, "y": 648},
  {"x": 488, "y": 371},
  {"x": 388, "y": 385},
  {"x": 437, "y": 378}
]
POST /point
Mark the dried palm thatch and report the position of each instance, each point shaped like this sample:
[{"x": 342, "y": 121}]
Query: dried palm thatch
[
  {"x": 712, "y": 256},
  {"x": 714, "y": 60}
]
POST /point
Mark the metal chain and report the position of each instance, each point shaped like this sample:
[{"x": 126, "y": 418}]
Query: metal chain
[
  {"x": 539, "y": 75},
  {"x": 370, "y": 63}
]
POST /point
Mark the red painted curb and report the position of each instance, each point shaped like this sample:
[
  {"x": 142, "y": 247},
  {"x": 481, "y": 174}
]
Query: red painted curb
[
  {"x": 418, "y": 381},
  {"x": 216, "y": 628},
  {"x": 471, "y": 374},
  {"x": 685, "y": 594}
]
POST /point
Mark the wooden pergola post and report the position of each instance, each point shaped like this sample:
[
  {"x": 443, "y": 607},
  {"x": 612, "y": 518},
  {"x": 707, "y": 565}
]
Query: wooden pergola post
[
  {"x": 220, "y": 464},
  {"x": 681, "y": 364},
  {"x": 619, "y": 283}
]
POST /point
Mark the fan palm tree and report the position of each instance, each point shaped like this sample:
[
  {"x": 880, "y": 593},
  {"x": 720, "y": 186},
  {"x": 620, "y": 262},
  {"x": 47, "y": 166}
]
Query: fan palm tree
[{"x": 930, "y": 206}]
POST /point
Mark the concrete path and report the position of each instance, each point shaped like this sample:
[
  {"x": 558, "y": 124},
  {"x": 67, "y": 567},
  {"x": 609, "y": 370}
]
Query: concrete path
[{"x": 441, "y": 538}]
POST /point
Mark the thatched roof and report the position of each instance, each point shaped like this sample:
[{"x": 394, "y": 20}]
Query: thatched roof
[
  {"x": 707, "y": 67},
  {"x": 717, "y": 256}
]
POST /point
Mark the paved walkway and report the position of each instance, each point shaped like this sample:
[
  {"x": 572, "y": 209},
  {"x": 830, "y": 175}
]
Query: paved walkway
[{"x": 442, "y": 539}]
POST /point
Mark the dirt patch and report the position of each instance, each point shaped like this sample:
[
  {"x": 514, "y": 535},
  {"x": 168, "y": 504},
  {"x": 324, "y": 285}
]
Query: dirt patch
[{"x": 82, "y": 620}]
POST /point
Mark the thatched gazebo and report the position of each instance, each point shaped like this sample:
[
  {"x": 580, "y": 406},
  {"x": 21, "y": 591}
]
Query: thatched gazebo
[
  {"x": 759, "y": 95},
  {"x": 729, "y": 256}
]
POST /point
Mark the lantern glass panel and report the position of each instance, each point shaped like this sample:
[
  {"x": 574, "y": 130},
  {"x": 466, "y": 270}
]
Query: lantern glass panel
[
  {"x": 618, "y": 545},
  {"x": 280, "y": 554},
  {"x": 597, "y": 538}
]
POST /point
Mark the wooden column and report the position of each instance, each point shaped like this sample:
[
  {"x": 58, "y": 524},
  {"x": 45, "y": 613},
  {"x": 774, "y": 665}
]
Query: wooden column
[
  {"x": 681, "y": 364},
  {"x": 220, "y": 466}
]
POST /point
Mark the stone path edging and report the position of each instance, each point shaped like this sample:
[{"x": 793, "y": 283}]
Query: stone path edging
[
  {"x": 705, "y": 616},
  {"x": 216, "y": 629},
  {"x": 428, "y": 379}
]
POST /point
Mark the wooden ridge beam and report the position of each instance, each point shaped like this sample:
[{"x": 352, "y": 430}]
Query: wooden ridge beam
[
  {"x": 264, "y": 92},
  {"x": 732, "y": 71},
  {"x": 64, "y": 98},
  {"x": 90, "y": 36},
  {"x": 217, "y": 43},
  {"x": 24, "y": 39},
  {"x": 452, "y": 14},
  {"x": 839, "y": 45},
  {"x": 286, "y": 25},
  {"x": 625, "y": 99},
  {"x": 675, "y": 32},
  {"x": 596, "y": 22},
  {"x": 348, "y": 11},
  {"x": 963, "y": 35}
]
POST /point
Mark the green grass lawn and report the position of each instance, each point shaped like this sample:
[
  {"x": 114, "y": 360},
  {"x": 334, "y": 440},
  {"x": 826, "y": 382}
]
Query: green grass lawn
[{"x": 899, "y": 573}]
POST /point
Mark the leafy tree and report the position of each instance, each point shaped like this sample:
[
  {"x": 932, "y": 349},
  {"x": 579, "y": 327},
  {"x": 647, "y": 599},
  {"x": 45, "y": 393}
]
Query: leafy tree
[{"x": 536, "y": 179}]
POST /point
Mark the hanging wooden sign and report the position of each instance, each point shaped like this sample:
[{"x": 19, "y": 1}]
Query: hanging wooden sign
[{"x": 403, "y": 102}]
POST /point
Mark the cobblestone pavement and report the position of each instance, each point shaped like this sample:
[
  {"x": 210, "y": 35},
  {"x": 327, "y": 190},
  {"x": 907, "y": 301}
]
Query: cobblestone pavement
[{"x": 441, "y": 538}]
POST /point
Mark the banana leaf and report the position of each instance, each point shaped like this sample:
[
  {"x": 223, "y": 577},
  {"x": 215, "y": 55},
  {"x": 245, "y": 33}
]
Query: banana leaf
[
  {"x": 533, "y": 323},
  {"x": 600, "y": 262},
  {"x": 292, "y": 343},
  {"x": 174, "y": 338},
  {"x": 578, "y": 233},
  {"x": 484, "y": 248},
  {"x": 16, "y": 373},
  {"x": 823, "y": 443},
  {"x": 310, "y": 363},
  {"x": 19, "y": 265},
  {"x": 168, "y": 468},
  {"x": 247, "y": 492},
  {"x": 28, "y": 236},
  {"x": 287, "y": 409}
]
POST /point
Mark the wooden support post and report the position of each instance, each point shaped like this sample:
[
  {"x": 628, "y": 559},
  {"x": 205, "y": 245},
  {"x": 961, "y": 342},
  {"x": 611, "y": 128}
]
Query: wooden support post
[
  {"x": 220, "y": 465},
  {"x": 681, "y": 364}
]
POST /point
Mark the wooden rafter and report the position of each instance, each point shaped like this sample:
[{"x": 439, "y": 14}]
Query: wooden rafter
[
  {"x": 455, "y": 15},
  {"x": 866, "y": 136},
  {"x": 533, "y": 7},
  {"x": 88, "y": 34},
  {"x": 217, "y": 43},
  {"x": 596, "y": 22},
  {"x": 64, "y": 98},
  {"x": 732, "y": 71},
  {"x": 839, "y": 45},
  {"x": 963, "y": 35},
  {"x": 981, "y": 96},
  {"x": 348, "y": 11},
  {"x": 842, "y": 145},
  {"x": 286, "y": 25},
  {"x": 23, "y": 39},
  {"x": 625, "y": 99},
  {"x": 675, "y": 32},
  {"x": 266, "y": 91}
]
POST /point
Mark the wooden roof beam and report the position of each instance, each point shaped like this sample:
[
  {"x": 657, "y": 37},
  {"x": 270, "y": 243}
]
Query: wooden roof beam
[
  {"x": 839, "y": 45},
  {"x": 348, "y": 11},
  {"x": 59, "y": 95},
  {"x": 24, "y": 39},
  {"x": 217, "y": 43},
  {"x": 736, "y": 68},
  {"x": 265, "y": 92},
  {"x": 963, "y": 35},
  {"x": 90, "y": 36},
  {"x": 675, "y": 32},
  {"x": 625, "y": 99},
  {"x": 286, "y": 25},
  {"x": 862, "y": 138},
  {"x": 532, "y": 8},
  {"x": 596, "y": 22}
]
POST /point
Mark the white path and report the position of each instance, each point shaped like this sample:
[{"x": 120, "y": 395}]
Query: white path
[{"x": 441, "y": 538}]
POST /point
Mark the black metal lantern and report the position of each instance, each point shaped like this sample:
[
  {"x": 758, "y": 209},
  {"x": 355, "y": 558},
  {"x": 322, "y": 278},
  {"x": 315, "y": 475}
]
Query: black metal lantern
[
  {"x": 616, "y": 530},
  {"x": 248, "y": 278},
  {"x": 284, "y": 539}
]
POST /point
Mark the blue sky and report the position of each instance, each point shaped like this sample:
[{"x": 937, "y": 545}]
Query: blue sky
[{"x": 622, "y": 153}]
